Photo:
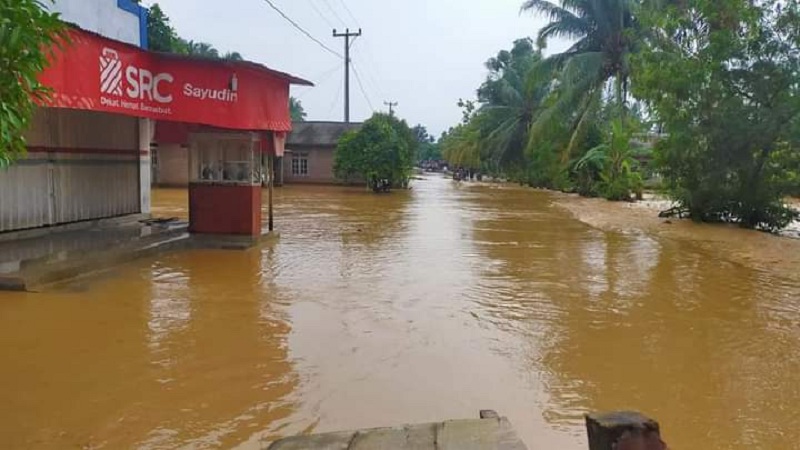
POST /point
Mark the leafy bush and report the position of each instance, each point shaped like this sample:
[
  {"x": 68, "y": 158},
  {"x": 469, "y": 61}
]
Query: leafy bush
[
  {"x": 383, "y": 149},
  {"x": 609, "y": 169},
  {"x": 726, "y": 92},
  {"x": 28, "y": 35}
]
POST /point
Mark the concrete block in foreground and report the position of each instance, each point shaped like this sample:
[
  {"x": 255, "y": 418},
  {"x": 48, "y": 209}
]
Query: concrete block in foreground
[
  {"x": 491, "y": 432},
  {"x": 623, "y": 430}
]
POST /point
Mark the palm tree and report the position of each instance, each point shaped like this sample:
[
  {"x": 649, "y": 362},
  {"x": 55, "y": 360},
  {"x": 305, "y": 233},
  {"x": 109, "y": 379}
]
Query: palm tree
[
  {"x": 604, "y": 32},
  {"x": 511, "y": 99},
  {"x": 461, "y": 146}
]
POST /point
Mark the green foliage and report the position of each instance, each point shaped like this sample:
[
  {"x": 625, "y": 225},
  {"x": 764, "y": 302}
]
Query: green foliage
[
  {"x": 162, "y": 37},
  {"x": 199, "y": 49},
  {"x": 609, "y": 169},
  {"x": 606, "y": 34},
  {"x": 461, "y": 146},
  {"x": 28, "y": 35},
  {"x": 549, "y": 164},
  {"x": 538, "y": 117},
  {"x": 296, "y": 110},
  {"x": 493, "y": 135},
  {"x": 510, "y": 99},
  {"x": 722, "y": 78},
  {"x": 546, "y": 171},
  {"x": 383, "y": 149},
  {"x": 421, "y": 134},
  {"x": 428, "y": 149},
  {"x": 233, "y": 56}
]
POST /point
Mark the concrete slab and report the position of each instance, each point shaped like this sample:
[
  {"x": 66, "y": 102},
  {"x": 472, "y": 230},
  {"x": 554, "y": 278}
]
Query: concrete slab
[
  {"x": 492, "y": 433},
  {"x": 328, "y": 441},
  {"x": 478, "y": 435},
  {"x": 26, "y": 264}
]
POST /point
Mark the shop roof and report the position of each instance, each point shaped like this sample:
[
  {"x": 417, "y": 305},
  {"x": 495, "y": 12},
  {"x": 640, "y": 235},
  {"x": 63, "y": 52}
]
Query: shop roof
[{"x": 319, "y": 133}]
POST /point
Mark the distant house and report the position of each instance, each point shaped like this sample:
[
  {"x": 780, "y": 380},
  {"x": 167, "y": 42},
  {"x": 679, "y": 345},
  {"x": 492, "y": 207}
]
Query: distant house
[
  {"x": 308, "y": 156},
  {"x": 310, "y": 150}
]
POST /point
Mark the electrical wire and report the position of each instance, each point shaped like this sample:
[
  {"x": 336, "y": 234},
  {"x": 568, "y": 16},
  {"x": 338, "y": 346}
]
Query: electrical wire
[
  {"x": 335, "y": 99},
  {"x": 306, "y": 33},
  {"x": 322, "y": 16},
  {"x": 370, "y": 71},
  {"x": 361, "y": 86},
  {"x": 333, "y": 11},
  {"x": 350, "y": 13},
  {"x": 322, "y": 77}
]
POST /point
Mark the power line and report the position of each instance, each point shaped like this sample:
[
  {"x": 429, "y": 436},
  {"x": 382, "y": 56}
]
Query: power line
[
  {"x": 370, "y": 70},
  {"x": 299, "y": 28},
  {"x": 361, "y": 86},
  {"x": 322, "y": 77},
  {"x": 370, "y": 80},
  {"x": 333, "y": 11},
  {"x": 335, "y": 99},
  {"x": 322, "y": 16},
  {"x": 349, "y": 13}
]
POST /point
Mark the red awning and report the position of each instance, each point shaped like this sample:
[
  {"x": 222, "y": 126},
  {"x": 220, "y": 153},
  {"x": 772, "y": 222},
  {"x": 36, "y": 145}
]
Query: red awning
[{"x": 100, "y": 74}]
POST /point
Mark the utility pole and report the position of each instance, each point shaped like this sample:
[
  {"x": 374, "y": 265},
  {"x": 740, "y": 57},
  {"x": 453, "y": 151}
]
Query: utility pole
[
  {"x": 391, "y": 106},
  {"x": 347, "y": 35}
]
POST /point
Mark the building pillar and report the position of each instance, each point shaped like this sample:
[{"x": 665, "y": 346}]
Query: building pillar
[
  {"x": 271, "y": 219},
  {"x": 146, "y": 130},
  {"x": 279, "y": 179}
]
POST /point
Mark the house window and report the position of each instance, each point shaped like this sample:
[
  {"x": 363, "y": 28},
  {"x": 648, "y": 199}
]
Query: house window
[{"x": 300, "y": 165}]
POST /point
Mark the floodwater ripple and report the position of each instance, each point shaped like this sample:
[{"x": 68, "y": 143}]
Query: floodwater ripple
[{"x": 411, "y": 307}]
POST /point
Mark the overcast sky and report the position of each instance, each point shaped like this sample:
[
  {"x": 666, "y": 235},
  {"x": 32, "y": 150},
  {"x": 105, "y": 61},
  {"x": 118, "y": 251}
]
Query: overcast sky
[{"x": 424, "y": 54}]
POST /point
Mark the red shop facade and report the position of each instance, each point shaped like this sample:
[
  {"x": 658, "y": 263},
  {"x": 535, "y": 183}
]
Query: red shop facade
[{"x": 231, "y": 115}]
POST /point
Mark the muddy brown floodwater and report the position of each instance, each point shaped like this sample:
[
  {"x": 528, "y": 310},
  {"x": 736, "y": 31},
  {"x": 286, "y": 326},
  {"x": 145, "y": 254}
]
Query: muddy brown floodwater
[{"x": 411, "y": 307}]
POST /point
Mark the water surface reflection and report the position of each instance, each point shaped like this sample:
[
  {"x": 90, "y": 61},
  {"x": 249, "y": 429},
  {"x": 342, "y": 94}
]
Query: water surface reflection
[{"x": 412, "y": 307}]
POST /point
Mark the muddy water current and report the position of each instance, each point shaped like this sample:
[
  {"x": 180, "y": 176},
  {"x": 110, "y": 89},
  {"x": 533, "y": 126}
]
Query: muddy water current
[{"x": 416, "y": 306}]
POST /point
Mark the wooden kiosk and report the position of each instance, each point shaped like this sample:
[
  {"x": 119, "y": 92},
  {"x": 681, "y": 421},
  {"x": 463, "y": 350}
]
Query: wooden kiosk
[{"x": 225, "y": 178}]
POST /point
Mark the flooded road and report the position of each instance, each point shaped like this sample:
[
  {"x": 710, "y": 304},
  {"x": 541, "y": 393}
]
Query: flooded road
[{"x": 412, "y": 307}]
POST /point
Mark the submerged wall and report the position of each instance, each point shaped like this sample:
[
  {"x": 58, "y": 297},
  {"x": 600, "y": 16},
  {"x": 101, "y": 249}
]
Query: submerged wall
[{"x": 80, "y": 166}]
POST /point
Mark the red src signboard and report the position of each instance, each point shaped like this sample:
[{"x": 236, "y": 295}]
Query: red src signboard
[{"x": 95, "y": 73}]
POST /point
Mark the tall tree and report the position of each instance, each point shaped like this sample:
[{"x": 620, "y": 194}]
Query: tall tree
[
  {"x": 510, "y": 99},
  {"x": 296, "y": 110},
  {"x": 494, "y": 133},
  {"x": 428, "y": 149},
  {"x": 722, "y": 77},
  {"x": 461, "y": 144},
  {"x": 421, "y": 134},
  {"x": 28, "y": 35},
  {"x": 605, "y": 34},
  {"x": 161, "y": 36}
]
